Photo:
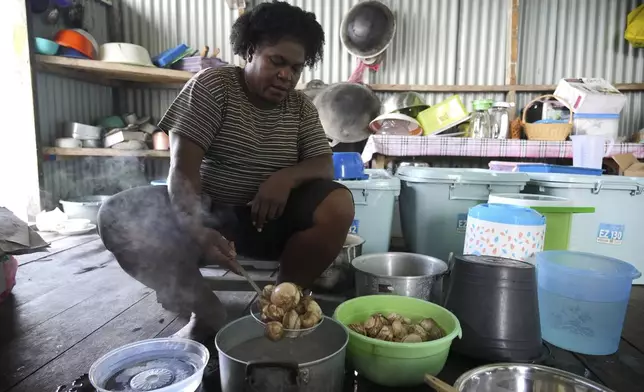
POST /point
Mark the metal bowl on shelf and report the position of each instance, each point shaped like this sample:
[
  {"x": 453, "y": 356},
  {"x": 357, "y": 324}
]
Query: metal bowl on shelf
[{"x": 513, "y": 377}]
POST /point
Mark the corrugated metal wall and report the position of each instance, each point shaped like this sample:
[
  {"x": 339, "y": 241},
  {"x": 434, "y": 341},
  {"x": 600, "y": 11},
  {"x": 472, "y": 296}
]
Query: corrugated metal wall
[{"x": 438, "y": 42}]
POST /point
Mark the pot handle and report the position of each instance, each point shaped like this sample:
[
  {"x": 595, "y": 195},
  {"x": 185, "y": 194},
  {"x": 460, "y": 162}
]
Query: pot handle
[
  {"x": 291, "y": 367},
  {"x": 385, "y": 289}
]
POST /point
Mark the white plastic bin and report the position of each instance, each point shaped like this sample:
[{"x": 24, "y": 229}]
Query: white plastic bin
[
  {"x": 615, "y": 229},
  {"x": 374, "y": 203},
  {"x": 596, "y": 124},
  {"x": 434, "y": 203}
]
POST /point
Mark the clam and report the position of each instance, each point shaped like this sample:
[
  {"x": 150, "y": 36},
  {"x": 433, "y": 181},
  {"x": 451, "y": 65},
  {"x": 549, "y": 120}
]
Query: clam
[{"x": 274, "y": 330}]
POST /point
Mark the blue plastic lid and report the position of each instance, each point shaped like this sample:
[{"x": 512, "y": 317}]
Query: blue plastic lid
[
  {"x": 508, "y": 214},
  {"x": 597, "y": 115}
]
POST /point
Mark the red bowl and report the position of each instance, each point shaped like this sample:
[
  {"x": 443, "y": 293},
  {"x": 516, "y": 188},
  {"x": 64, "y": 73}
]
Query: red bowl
[{"x": 74, "y": 40}]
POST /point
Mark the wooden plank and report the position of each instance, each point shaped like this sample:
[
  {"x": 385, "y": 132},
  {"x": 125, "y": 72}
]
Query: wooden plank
[
  {"x": 144, "y": 320},
  {"x": 23, "y": 356},
  {"x": 104, "y": 152},
  {"x": 131, "y": 73},
  {"x": 17, "y": 321},
  {"x": 70, "y": 267},
  {"x": 57, "y": 246},
  {"x": 623, "y": 371}
]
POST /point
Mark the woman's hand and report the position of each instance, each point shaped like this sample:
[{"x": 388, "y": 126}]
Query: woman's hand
[
  {"x": 217, "y": 249},
  {"x": 270, "y": 201}
]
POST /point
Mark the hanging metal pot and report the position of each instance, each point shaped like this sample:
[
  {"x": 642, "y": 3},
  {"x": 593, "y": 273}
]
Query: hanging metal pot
[
  {"x": 346, "y": 109},
  {"x": 368, "y": 29}
]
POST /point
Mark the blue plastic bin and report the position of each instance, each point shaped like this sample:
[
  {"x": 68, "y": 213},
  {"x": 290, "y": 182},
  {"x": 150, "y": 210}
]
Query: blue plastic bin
[
  {"x": 348, "y": 166},
  {"x": 374, "y": 204},
  {"x": 583, "y": 299}
]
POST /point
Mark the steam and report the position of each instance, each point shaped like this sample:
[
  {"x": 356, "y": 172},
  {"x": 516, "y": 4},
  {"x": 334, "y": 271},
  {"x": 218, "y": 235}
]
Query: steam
[{"x": 153, "y": 240}]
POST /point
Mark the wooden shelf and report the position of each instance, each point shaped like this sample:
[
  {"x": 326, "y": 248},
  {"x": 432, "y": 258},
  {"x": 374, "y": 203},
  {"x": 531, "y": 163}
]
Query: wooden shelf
[
  {"x": 103, "y": 152},
  {"x": 94, "y": 70},
  {"x": 110, "y": 71}
]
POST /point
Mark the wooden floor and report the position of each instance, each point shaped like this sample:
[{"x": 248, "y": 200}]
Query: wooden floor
[{"x": 73, "y": 304}]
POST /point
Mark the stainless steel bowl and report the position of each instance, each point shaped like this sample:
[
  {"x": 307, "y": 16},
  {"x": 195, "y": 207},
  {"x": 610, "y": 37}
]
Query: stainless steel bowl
[
  {"x": 408, "y": 274},
  {"x": 523, "y": 378},
  {"x": 402, "y": 102},
  {"x": 339, "y": 275}
]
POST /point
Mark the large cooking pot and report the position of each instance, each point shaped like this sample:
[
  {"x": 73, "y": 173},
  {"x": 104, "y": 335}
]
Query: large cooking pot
[
  {"x": 408, "y": 274},
  {"x": 248, "y": 361},
  {"x": 495, "y": 299},
  {"x": 338, "y": 276}
]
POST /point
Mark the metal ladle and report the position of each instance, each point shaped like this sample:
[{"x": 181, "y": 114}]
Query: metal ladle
[
  {"x": 250, "y": 280},
  {"x": 438, "y": 384}
]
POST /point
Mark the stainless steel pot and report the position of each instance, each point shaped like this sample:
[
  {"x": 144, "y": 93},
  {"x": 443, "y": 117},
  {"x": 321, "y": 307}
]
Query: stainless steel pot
[
  {"x": 523, "y": 378},
  {"x": 248, "y": 361},
  {"x": 339, "y": 275},
  {"x": 408, "y": 274}
]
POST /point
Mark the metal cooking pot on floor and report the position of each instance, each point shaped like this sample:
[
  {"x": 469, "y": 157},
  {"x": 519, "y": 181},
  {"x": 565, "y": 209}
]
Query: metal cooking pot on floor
[
  {"x": 338, "y": 276},
  {"x": 408, "y": 274},
  {"x": 249, "y": 361}
]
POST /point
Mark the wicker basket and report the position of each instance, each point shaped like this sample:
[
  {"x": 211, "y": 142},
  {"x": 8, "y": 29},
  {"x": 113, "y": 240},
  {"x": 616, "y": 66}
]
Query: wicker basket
[{"x": 552, "y": 132}]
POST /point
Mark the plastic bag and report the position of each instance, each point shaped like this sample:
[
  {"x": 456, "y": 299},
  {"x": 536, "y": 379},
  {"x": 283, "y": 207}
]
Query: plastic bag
[
  {"x": 8, "y": 269},
  {"x": 635, "y": 27}
]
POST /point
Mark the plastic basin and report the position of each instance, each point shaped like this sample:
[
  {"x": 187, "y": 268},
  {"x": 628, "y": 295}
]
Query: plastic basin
[
  {"x": 348, "y": 166},
  {"x": 583, "y": 299},
  {"x": 396, "y": 364},
  {"x": 46, "y": 47}
]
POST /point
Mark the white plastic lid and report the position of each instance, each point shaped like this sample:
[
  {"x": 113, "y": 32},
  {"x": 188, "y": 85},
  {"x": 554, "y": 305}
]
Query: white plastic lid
[
  {"x": 528, "y": 200},
  {"x": 556, "y": 180},
  {"x": 379, "y": 179},
  {"x": 468, "y": 176}
]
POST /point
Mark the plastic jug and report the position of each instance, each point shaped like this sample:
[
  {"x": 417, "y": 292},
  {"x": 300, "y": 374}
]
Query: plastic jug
[
  {"x": 589, "y": 150},
  {"x": 583, "y": 299}
]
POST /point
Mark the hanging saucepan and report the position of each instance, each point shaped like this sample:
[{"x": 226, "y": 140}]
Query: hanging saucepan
[
  {"x": 346, "y": 109},
  {"x": 313, "y": 88},
  {"x": 368, "y": 29}
]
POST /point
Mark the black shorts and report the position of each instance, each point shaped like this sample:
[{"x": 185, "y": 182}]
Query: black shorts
[{"x": 235, "y": 223}]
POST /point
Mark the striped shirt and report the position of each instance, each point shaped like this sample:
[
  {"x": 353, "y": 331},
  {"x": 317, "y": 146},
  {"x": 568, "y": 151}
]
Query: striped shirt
[{"x": 243, "y": 144}]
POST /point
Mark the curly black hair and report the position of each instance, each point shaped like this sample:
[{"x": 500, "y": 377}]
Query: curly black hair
[{"x": 270, "y": 22}]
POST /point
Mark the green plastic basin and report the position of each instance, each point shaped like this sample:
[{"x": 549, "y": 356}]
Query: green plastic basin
[{"x": 396, "y": 364}]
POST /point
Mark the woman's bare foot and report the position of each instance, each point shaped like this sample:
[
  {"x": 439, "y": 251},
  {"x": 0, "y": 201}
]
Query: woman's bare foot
[{"x": 197, "y": 330}]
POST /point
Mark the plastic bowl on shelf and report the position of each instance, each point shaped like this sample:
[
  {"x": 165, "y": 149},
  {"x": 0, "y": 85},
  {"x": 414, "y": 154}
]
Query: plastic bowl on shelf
[
  {"x": 46, "y": 46},
  {"x": 75, "y": 40},
  {"x": 160, "y": 365},
  {"x": 125, "y": 53}
]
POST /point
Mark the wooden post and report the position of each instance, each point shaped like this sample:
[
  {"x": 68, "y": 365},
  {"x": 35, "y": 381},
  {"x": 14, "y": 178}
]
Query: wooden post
[{"x": 512, "y": 51}]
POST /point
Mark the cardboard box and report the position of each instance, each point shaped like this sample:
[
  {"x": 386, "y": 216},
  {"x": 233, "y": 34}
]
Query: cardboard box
[
  {"x": 591, "y": 95},
  {"x": 629, "y": 165}
]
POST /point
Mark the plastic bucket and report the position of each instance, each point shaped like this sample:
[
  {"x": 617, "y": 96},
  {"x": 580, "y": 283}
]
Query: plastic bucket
[
  {"x": 396, "y": 364},
  {"x": 434, "y": 203},
  {"x": 374, "y": 200},
  {"x": 557, "y": 211},
  {"x": 583, "y": 299},
  {"x": 613, "y": 230}
]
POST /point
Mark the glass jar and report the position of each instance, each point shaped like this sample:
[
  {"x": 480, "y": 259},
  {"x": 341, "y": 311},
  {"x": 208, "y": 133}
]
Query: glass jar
[
  {"x": 480, "y": 122},
  {"x": 500, "y": 120}
]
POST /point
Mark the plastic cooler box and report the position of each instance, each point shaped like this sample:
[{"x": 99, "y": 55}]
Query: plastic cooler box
[
  {"x": 558, "y": 212},
  {"x": 615, "y": 229},
  {"x": 434, "y": 203},
  {"x": 374, "y": 208}
]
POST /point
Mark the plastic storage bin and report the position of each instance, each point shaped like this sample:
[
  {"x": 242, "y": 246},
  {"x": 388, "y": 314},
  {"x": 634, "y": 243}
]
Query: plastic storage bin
[
  {"x": 582, "y": 300},
  {"x": 503, "y": 230},
  {"x": 557, "y": 211},
  {"x": 374, "y": 205},
  {"x": 596, "y": 124},
  {"x": 434, "y": 203},
  {"x": 614, "y": 230}
]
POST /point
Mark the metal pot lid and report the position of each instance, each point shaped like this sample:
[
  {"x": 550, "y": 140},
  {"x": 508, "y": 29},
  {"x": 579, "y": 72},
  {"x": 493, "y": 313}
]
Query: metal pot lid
[
  {"x": 345, "y": 110},
  {"x": 402, "y": 101},
  {"x": 494, "y": 261},
  {"x": 368, "y": 29},
  {"x": 459, "y": 175}
]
